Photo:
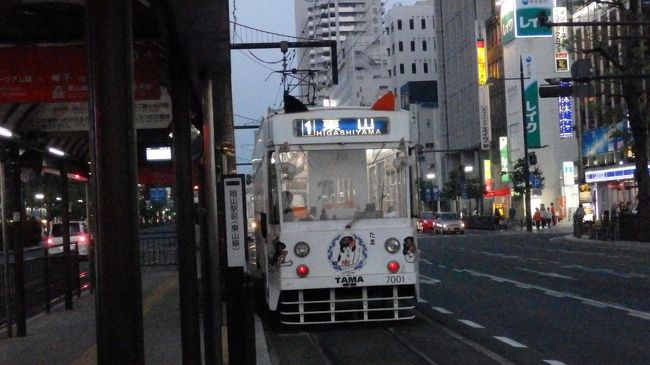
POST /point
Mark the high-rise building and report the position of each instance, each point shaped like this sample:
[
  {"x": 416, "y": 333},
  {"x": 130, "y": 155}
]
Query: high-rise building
[{"x": 332, "y": 20}]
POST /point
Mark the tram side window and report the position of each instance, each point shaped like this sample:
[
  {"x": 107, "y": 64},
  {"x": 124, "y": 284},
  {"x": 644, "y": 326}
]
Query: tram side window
[{"x": 274, "y": 213}]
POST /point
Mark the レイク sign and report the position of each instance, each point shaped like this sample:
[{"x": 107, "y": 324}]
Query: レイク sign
[{"x": 340, "y": 127}]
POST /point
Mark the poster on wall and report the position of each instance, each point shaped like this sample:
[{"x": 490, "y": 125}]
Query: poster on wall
[{"x": 560, "y": 38}]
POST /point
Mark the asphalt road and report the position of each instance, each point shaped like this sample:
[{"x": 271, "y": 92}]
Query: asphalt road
[
  {"x": 501, "y": 298},
  {"x": 531, "y": 296}
]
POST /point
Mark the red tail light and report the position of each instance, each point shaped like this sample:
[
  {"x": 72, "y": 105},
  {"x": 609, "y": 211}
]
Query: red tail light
[
  {"x": 393, "y": 266},
  {"x": 302, "y": 270},
  {"x": 82, "y": 238},
  {"x": 50, "y": 242}
]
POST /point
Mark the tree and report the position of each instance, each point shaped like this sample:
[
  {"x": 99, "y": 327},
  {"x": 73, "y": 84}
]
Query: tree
[
  {"x": 518, "y": 178},
  {"x": 458, "y": 185},
  {"x": 624, "y": 52}
]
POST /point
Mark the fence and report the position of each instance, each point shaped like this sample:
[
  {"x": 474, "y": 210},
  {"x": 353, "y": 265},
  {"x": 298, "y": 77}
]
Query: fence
[
  {"x": 158, "y": 248},
  {"x": 44, "y": 282}
]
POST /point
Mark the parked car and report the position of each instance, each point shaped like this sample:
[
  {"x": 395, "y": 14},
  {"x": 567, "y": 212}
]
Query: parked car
[
  {"x": 447, "y": 222},
  {"x": 78, "y": 233},
  {"x": 425, "y": 222}
]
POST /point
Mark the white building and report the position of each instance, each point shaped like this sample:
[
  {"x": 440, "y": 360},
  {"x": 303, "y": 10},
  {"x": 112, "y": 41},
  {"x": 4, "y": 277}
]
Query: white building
[
  {"x": 525, "y": 41},
  {"x": 332, "y": 20}
]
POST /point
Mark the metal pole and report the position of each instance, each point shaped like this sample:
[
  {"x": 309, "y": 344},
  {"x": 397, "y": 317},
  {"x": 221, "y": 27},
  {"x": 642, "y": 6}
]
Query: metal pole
[
  {"x": 19, "y": 269},
  {"x": 65, "y": 215},
  {"x": 212, "y": 245},
  {"x": 118, "y": 305},
  {"x": 529, "y": 220},
  {"x": 5, "y": 249},
  {"x": 188, "y": 285}
]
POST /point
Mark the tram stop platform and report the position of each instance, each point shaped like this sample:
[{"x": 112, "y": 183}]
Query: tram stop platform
[{"x": 68, "y": 337}]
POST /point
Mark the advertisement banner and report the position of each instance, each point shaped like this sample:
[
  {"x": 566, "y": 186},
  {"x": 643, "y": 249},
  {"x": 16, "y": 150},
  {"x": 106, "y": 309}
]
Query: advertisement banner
[
  {"x": 481, "y": 59},
  {"x": 560, "y": 35},
  {"x": 503, "y": 154},
  {"x": 35, "y": 74},
  {"x": 526, "y": 16},
  {"x": 73, "y": 116},
  {"x": 507, "y": 14},
  {"x": 565, "y": 115},
  {"x": 484, "y": 117},
  {"x": 532, "y": 102},
  {"x": 487, "y": 173}
]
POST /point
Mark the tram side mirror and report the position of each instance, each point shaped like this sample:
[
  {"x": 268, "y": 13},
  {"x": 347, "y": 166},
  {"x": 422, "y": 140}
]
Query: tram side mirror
[
  {"x": 249, "y": 179},
  {"x": 288, "y": 169}
]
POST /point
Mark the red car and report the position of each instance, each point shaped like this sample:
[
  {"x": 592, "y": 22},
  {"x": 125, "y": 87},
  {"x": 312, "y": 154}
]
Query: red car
[{"x": 426, "y": 221}]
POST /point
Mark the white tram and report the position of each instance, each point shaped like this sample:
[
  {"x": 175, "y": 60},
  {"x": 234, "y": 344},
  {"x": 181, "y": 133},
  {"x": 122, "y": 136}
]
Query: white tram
[{"x": 333, "y": 203}]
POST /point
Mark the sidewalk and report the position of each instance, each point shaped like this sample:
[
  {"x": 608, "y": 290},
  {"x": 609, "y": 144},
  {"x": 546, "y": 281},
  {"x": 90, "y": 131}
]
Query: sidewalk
[{"x": 68, "y": 337}]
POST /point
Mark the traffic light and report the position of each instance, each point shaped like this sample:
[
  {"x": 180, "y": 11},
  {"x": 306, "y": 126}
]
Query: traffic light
[
  {"x": 532, "y": 159},
  {"x": 554, "y": 91}
]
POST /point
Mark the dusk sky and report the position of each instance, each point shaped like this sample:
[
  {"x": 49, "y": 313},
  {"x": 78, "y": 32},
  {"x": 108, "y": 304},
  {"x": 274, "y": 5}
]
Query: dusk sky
[{"x": 256, "y": 86}]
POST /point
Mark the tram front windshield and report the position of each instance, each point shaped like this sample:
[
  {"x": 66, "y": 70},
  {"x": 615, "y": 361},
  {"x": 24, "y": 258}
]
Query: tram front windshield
[{"x": 342, "y": 184}]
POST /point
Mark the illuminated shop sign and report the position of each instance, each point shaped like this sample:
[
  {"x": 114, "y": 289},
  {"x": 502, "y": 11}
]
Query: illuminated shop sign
[
  {"x": 618, "y": 173},
  {"x": 565, "y": 111},
  {"x": 346, "y": 127},
  {"x": 481, "y": 58}
]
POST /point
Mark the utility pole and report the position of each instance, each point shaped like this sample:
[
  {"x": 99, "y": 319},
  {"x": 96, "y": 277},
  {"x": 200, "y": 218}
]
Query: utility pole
[{"x": 529, "y": 221}]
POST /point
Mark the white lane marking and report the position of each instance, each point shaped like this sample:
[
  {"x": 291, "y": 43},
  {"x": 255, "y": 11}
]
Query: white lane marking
[
  {"x": 470, "y": 323},
  {"x": 442, "y": 266},
  {"x": 593, "y": 303},
  {"x": 428, "y": 280},
  {"x": 425, "y": 261},
  {"x": 524, "y": 286},
  {"x": 441, "y": 310},
  {"x": 457, "y": 270},
  {"x": 422, "y": 300},
  {"x": 542, "y": 273},
  {"x": 638, "y": 315},
  {"x": 632, "y": 312},
  {"x": 554, "y": 362},
  {"x": 511, "y": 342},
  {"x": 604, "y": 271}
]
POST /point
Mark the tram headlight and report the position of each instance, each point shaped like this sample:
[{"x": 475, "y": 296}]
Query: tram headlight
[
  {"x": 392, "y": 245},
  {"x": 301, "y": 249}
]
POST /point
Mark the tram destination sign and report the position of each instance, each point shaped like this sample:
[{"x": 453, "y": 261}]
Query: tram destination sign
[{"x": 346, "y": 127}]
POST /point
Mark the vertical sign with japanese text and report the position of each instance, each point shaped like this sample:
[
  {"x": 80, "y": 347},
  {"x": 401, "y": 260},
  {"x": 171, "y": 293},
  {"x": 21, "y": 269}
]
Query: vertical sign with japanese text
[
  {"x": 531, "y": 97},
  {"x": 560, "y": 40},
  {"x": 236, "y": 245}
]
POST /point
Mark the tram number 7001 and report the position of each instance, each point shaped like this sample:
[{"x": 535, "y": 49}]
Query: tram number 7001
[{"x": 395, "y": 279}]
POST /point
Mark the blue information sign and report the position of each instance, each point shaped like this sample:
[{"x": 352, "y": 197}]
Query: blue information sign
[{"x": 340, "y": 127}]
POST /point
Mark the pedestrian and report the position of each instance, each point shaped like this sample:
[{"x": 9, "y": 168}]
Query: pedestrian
[
  {"x": 553, "y": 215},
  {"x": 512, "y": 213},
  {"x": 537, "y": 218},
  {"x": 542, "y": 212},
  {"x": 547, "y": 217},
  {"x": 578, "y": 216}
]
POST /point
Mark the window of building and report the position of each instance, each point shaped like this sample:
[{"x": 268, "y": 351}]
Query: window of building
[
  {"x": 401, "y": 68},
  {"x": 394, "y": 70},
  {"x": 424, "y": 45},
  {"x": 412, "y": 46},
  {"x": 411, "y": 25},
  {"x": 425, "y": 68},
  {"x": 413, "y": 69},
  {"x": 393, "y": 48},
  {"x": 400, "y": 46},
  {"x": 388, "y": 50},
  {"x": 423, "y": 23},
  {"x": 390, "y": 73},
  {"x": 391, "y": 28},
  {"x": 399, "y": 24}
]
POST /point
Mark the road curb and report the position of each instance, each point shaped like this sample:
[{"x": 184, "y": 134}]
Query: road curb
[{"x": 631, "y": 245}]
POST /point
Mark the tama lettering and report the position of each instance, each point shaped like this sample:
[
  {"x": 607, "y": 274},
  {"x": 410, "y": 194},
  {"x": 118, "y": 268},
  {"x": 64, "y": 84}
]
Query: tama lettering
[{"x": 349, "y": 280}]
